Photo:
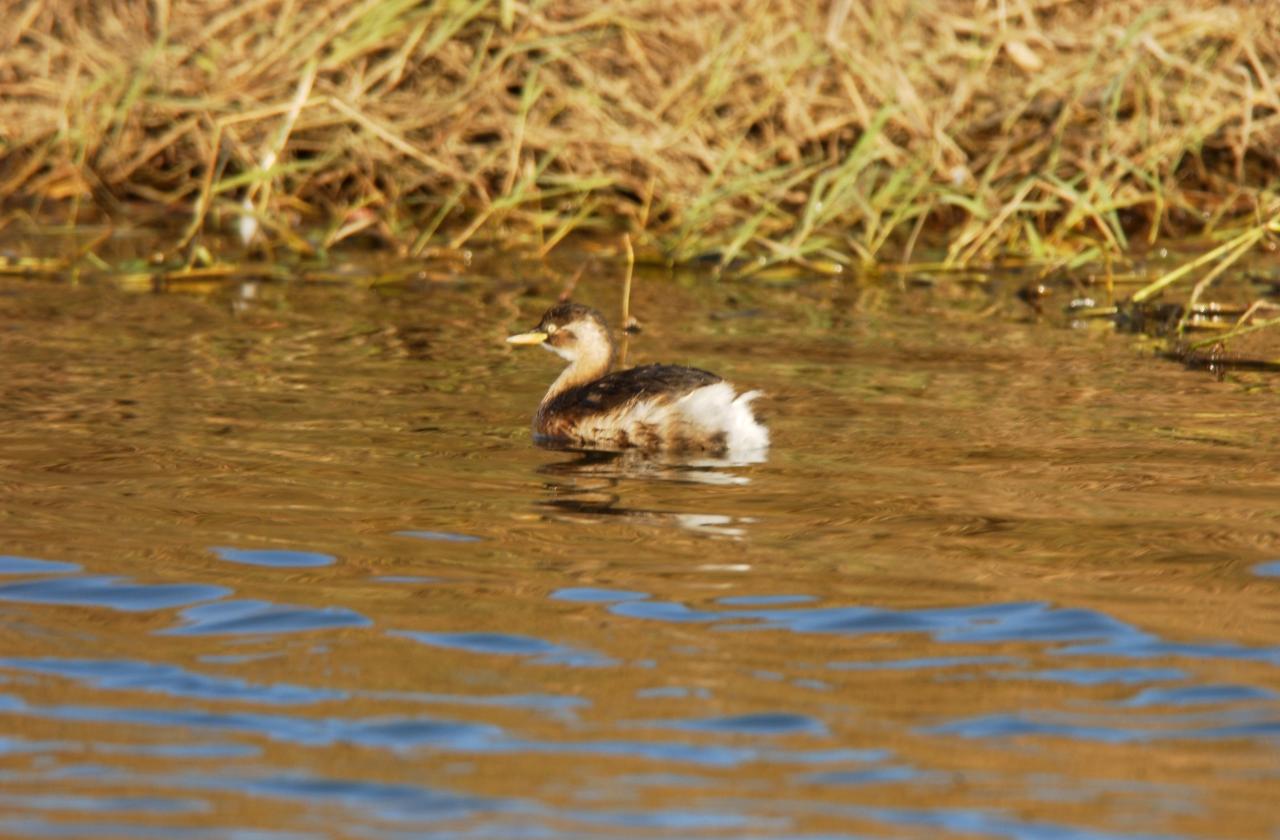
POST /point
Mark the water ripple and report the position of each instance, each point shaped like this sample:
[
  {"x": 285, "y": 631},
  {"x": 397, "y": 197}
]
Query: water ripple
[
  {"x": 665, "y": 611},
  {"x": 763, "y": 600},
  {"x": 1143, "y": 646},
  {"x": 1018, "y": 724},
  {"x": 990, "y": 823},
  {"x": 12, "y": 565},
  {"x": 36, "y": 827},
  {"x": 133, "y": 675},
  {"x": 439, "y": 536},
  {"x": 1102, "y": 676},
  {"x": 405, "y": 734},
  {"x": 13, "y": 745},
  {"x": 1191, "y": 695},
  {"x": 275, "y": 558},
  {"x": 392, "y": 802},
  {"x": 923, "y": 663},
  {"x": 247, "y": 616},
  {"x": 103, "y": 804},
  {"x": 589, "y": 595},
  {"x": 672, "y": 820},
  {"x": 1218, "y": 724},
  {"x": 208, "y": 750},
  {"x": 870, "y": 776},
  {"x": 117, "y": 593},
  {"x": 761, "y": 723},
  {"x": 1270, "y": 569},
  {"x": 1089, "y": 631},
  {"x": 393, "y": 734},
  {"x": 542, "y": 652}
]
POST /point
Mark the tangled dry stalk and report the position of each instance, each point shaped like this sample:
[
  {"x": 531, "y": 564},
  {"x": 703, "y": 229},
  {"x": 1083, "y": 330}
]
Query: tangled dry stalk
[{"x": 837, "y": 131}]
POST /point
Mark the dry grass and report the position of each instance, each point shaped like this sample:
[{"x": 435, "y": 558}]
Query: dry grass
[{"x": 813, "y": 133}]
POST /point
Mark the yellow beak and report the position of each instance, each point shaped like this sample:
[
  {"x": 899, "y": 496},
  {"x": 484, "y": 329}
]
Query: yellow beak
[{"x": 534, "y": 337}]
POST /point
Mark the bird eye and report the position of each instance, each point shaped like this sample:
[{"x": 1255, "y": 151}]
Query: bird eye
[{"x": 551, "y": 329}]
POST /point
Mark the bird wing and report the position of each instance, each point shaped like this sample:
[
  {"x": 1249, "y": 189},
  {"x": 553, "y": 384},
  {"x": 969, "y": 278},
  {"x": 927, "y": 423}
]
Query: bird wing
[{"x": 625, "y": 386}]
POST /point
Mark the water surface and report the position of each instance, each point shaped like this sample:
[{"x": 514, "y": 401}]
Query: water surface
[{"x": 279, "y": 560}]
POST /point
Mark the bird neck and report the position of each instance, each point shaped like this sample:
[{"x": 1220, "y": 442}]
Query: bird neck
[{"x": 592, "y": 362}]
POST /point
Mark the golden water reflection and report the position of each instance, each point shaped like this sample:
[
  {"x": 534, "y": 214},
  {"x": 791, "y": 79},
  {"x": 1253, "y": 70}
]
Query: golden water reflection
[{"x": 288, "y": 562}]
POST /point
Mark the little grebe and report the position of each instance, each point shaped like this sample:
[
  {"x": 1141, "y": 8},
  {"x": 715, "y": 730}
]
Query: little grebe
[{"x": 664, "y": 407}]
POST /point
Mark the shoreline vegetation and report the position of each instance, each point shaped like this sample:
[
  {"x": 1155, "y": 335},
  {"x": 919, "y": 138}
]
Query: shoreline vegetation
[{"x": 750, "y": 134}]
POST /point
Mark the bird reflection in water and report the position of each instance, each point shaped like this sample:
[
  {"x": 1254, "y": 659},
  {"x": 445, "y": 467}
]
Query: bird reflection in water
[{"x": 587, "y": 487}]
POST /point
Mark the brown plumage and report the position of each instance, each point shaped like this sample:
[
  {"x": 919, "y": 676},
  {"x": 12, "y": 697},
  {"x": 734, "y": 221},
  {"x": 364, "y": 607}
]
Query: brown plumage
[{"x": 652, "y": 406}]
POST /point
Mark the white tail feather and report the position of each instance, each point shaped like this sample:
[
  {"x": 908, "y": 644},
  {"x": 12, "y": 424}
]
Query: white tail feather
[{"x": 715, "y": 408}]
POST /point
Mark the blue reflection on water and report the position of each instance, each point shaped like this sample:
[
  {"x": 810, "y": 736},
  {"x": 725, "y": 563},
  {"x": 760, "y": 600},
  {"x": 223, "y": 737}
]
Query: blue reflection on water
[
  {"x": 672, "y": 820},
  {"x": 219, "y": 749},
  {"x": 385, "y": 733},
  {"x": 11, "y": 565},
  {"x": 1191, "y": 695},
  {"x": 392, "y": 802},
  {"x": 1018, "y": 724},
  {"x": 760, "y": 723},
  {"x": 275, "y": 558},
  {"x": 707, "y": 755},
  {"x": 1060, "y": 631},
  {"x": 923, "y": 663},
  {"x": 665, "y": 611},
  {"x": 15, "y": 745},
  {"x": 133, "y": 675},
  {"x": 990, "y": 823},
  {"x": 125, "y": 674},
  {"x": 589, "y": 595},
  {"x": 103, "y": 804},
  {"x": 1271, "y": 569},
  {"x": 117, "y": 593},
  {"x": 403, "y": 734},
  {"x": 764, "y": 600},
  {"x": 871, "y": 776},
  {"x": 557, "y": 703},
  {"x": 1093, "y": 633},
  {"x": 1217, "y": 724},
  {"x": 1086, "y": 633},
  {"x": 982, "y": 623},
  {"x": 38, "y": 827},
  {"x": 247, "y": 616},
  {"x": 439, "y": 536},
  {"x": 697, "y": 754},
  {"x": 1101, "y": 676},
  {"x": 1143, "y": 646}
]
